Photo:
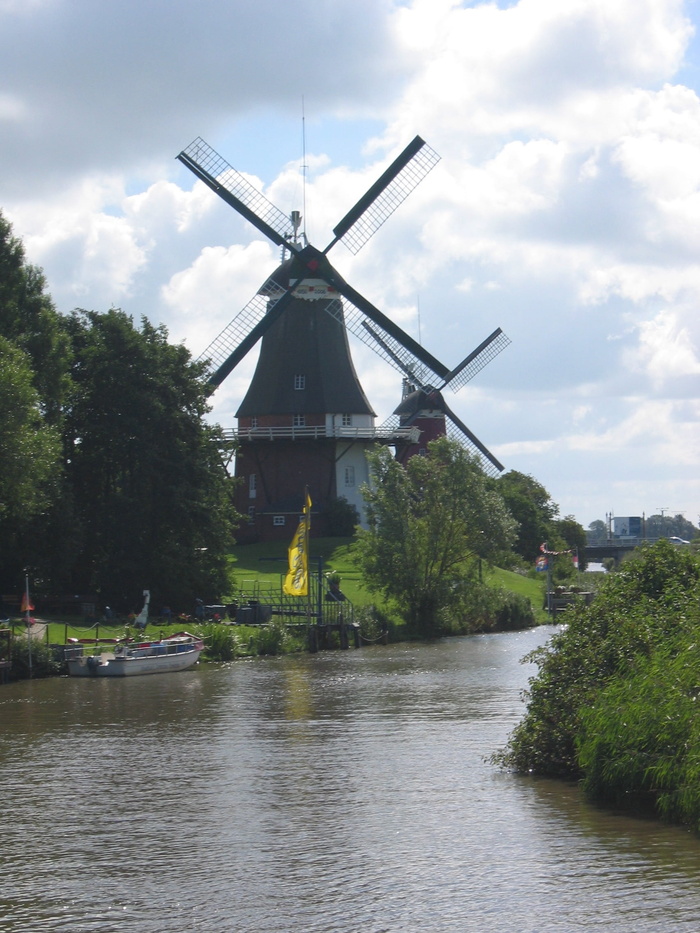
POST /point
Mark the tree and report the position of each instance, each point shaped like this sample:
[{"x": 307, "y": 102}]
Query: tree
[
  {"x": 29, "y": 448},
  {"x": 533, "y": 509},
  {"x": 29, "y": 320},
  {"x": 667, "y": 526},
  {"x": 574, "y": 537},
  {"x": 34, "y": 379},
  {"x": 152, "y": 501},
  {"x": 429, "y": 523},
  {"x": 341, "y": 518},
  {"x": 597, "y": 532}
]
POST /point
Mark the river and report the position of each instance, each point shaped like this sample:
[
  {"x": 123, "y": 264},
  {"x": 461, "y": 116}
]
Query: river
[{"x": 344, "y": 792}]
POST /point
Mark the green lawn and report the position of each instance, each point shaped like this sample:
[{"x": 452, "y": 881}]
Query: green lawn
[
  {"x": 261, "y": 567},
  {"x": 522, "y": 585}
]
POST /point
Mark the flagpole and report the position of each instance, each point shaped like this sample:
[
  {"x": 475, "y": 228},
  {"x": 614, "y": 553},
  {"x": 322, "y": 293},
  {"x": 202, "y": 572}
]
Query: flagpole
[{"x": 26, "y": 619}]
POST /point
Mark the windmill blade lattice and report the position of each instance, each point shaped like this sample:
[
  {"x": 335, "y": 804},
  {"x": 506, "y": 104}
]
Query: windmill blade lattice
[
  {"x": 407, "y": 170},
  {"x": 384, "y": 344},
  {"x": 221, "y": 350},
  {"x": 489, "y": 464},
  {"x": 462, "y": 434},
  {"x": 459, "y": 432},
  {"x": 232, "y": 187},
  {"x": 385, "y": 195},
  {"x": 477, "y": 359}
]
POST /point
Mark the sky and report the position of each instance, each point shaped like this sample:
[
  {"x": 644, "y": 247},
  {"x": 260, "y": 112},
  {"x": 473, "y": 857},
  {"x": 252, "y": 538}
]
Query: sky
[{"x": 565, "y": 208}]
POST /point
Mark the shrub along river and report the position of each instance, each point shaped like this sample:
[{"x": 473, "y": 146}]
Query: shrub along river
[{"x": 341, "y": 792}]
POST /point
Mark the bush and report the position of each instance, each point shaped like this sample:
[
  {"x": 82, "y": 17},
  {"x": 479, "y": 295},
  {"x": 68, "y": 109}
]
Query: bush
[
  {"x": 223, "y": 642},
  {"x": 275, "y": 638},
  {"x": 640, "y": 744},
  {"x": 514, "y": 613},
  {"x": 44, "y": 662},
  {"x": 373, "y": 623},
  {"x": 484, "y": 608},
  {"x": 614, "y": 697},
  {"x": 341, "y": 518}
]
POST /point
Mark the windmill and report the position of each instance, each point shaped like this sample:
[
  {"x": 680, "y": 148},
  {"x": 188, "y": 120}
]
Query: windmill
[{"x": 305, "y": 420}]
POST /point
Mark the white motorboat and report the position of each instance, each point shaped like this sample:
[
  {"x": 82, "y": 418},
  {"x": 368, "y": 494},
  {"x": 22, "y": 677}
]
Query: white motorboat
[{"x": 174, "y": 653}]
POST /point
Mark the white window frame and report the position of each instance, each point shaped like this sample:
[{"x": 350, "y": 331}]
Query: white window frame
[{"x": 299, "y": 381}]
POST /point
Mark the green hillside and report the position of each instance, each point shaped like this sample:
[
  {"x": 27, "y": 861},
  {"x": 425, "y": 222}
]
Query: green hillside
[{"x": 260, "y": 568}]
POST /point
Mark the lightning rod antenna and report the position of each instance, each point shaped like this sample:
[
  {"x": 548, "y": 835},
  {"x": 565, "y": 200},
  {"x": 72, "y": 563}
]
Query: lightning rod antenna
[{"x": 303, "y": 169}]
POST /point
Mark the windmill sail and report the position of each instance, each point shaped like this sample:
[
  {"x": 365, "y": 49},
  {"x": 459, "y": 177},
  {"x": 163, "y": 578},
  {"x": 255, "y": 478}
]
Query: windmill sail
[
  {"x": 232, "y": 187},
  {"x": 305, "y": 385},
  {"x": 477, "y": 359},
  {"x": 385, "y": 195}
]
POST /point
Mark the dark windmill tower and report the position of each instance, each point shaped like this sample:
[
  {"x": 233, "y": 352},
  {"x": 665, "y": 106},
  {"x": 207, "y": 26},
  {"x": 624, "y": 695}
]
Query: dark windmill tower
[{"x": 305, "y": 420}]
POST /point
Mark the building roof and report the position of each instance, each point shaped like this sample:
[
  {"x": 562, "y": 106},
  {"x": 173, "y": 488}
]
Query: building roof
[
  {"x": 306, "y": 341},
  {"x": 428, "y": 399}
]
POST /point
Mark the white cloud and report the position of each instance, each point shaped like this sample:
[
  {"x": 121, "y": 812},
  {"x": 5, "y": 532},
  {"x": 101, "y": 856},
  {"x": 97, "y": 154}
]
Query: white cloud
[
  {"x": 566, "y": 207},
  {"x": 666, "y": 351}
]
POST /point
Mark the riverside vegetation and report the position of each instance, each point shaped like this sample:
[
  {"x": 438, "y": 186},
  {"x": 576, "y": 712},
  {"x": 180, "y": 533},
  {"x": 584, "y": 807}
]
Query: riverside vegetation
[
  {"x": 505, "y": 601},
  {"x": 615, "y": 702}
]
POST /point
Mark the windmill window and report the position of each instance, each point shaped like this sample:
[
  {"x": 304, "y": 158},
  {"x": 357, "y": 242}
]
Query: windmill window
[
  {"x": 299, "y": 381},
  {"x": 346, "y": 421},
  {"x": 251, "y": 514},
  {"x": 252, "y": 486},
  {"x": 254, "y": 421},
  {"x": 299, "y": 421},
  {"x": 278, "y": 520},
  {"x": 349, "y": 475}
]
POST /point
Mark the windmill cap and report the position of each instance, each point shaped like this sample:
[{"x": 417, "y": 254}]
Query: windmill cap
[{"x": 420, "y": 400}]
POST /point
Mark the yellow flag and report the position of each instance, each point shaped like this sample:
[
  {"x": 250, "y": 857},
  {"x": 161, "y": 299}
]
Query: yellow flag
[{"x": 296, "y": 583}]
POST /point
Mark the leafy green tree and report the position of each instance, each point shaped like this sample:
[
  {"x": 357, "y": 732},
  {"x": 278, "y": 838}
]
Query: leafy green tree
[
  {"x": 429, "y": 523},
  {"x": 667, "y": 526},
  {"x": 533, "y": 509},
  {"x": 29, "y": 320},
  {"x": 597, "y": 532},
  {"x": 572, "y": 536},
  {"x": 34, "y": 376},
  {"x": 152, "y": 500},
  {"x": 29, "y": 447}
]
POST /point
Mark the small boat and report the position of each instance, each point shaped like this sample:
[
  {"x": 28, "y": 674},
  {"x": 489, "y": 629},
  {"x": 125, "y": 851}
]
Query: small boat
[{"x": 174, "y": 653}]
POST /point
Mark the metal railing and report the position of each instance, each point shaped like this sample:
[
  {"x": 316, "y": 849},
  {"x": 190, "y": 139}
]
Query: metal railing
[{"x": 315, "y": 432}]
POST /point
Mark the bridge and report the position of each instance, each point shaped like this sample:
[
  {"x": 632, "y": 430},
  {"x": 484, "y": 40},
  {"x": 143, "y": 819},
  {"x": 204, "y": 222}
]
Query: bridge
[{"x": 616, "y": 547}]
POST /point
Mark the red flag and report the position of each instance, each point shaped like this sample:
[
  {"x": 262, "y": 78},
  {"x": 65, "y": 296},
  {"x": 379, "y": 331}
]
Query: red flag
[{"x": 27, "y": 605}]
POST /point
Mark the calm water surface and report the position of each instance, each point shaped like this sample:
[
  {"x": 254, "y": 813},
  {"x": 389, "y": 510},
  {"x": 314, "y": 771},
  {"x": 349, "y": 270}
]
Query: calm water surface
[{"x": 345, "y": 792}]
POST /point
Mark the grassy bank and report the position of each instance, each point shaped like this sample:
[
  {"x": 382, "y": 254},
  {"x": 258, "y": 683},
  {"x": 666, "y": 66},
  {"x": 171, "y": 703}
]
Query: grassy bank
[
  {"x": 615, "y": 701},
  {"x": 258, "y": 571}
]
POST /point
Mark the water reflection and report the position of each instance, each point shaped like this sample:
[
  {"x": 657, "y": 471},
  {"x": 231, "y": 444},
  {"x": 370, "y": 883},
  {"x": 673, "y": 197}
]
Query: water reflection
[{"x": 338, "y": 792}]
